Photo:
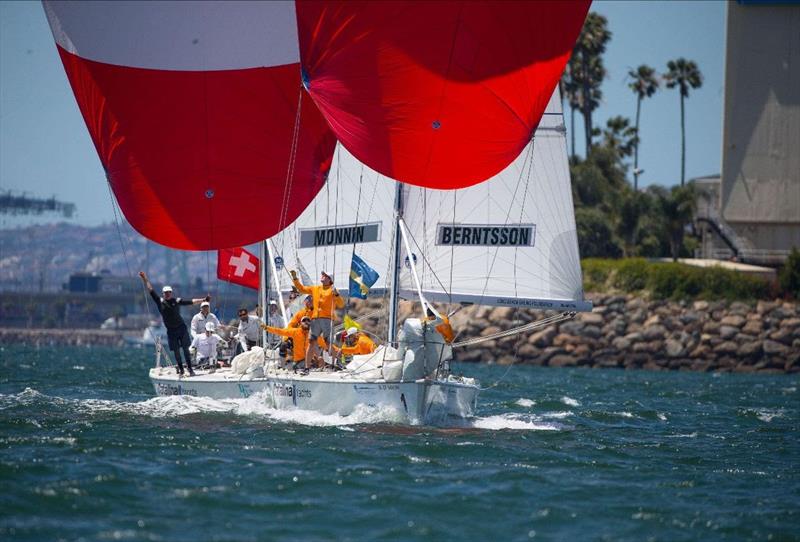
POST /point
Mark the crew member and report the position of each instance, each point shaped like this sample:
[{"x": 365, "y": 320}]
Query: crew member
[
  {"x": 442, "y": 325},
  {"x": 206, "y": 345},
  {"x": 205, "y": 316},
  {"x": 356, "y": 343},
  {"x": 325, "y": 301},
  {"x": 300, "y": 338},
  {"x": 249, "y": 331},
  {"x": 170, "y": 309}
]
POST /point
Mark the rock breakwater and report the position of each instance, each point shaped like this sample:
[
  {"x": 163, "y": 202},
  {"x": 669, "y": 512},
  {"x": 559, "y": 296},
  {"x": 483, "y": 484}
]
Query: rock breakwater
[{"x": 629, "y": 332}]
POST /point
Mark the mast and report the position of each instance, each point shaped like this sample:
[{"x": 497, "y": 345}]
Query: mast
[
  {"x": 263, "y": 287},
  {"x": 395, "y": 292}
]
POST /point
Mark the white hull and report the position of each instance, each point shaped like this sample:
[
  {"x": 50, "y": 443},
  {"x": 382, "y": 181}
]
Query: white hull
[{"x": 422, "y": 401}]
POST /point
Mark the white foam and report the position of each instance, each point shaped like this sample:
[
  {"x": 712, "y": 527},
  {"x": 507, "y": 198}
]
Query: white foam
[
  {"x": 767, "y": 415},
  {"x": 570, "y": 401},
  {"x": 624, "y": 414},
  {"x": 557, "y": 415},
  {"x": 507, "y": 421},
  {"x": 525, "y": 402}
]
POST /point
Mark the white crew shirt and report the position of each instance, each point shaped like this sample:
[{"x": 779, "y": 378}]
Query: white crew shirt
[
  {"x": 199, "y": 323},
  {"x": 206, "y": 345},
  {"x": 249, "y": 328}
]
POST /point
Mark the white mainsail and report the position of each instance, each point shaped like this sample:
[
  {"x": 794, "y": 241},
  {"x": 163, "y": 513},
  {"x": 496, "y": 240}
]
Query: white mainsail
[
  {"x": 509, "y": 241},
  {"x": 353, "y": 213}
]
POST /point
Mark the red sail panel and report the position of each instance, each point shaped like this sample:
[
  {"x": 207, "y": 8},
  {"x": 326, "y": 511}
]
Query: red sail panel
[
  {"x": 440, "y": 94},
  {"x": 198, "y": 160}
]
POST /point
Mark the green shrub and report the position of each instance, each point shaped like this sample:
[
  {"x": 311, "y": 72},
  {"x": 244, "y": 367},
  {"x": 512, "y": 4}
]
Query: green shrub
[
  {"x": 631, "y": 275},
  {"x": 671, "y": 280},
  {"x": 789, "y": 275}
]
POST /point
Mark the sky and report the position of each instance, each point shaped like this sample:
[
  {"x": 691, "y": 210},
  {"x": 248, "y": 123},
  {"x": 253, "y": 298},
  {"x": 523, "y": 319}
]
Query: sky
[{"x": 45, "y": 149}]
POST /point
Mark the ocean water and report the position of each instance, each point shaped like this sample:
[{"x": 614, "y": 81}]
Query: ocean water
[{"x": 87, "y": 453}]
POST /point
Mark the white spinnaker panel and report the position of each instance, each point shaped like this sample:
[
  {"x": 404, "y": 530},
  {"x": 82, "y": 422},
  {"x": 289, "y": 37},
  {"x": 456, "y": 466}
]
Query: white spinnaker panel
[
  {"x": 354, "y": 212},
  {"x": 510, "y": 240},
  {"x": 172, "y": 35}
]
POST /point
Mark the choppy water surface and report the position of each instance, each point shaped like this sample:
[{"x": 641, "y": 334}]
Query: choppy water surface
[{"x": 87, "y": 452}]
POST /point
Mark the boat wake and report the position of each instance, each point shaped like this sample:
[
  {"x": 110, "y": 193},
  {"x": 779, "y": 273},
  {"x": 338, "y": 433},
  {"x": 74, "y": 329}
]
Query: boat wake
[{"x": 256, "y": 406}]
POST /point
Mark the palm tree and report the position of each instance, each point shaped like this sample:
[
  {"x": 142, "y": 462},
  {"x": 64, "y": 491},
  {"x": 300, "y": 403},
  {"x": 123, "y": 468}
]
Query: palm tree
[
  {"x": 683, "y": 74},
  {"x": 644, "y": 83},
  {"x": 677, "y": 208},
  {"x": 587, "y": 68},
  {"x": 569, "y": 90},
  {"x": 620, "y": 137}
]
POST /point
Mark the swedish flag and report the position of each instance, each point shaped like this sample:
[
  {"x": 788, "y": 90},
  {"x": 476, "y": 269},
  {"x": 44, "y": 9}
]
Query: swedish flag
[{"x": 362, "y": 277}]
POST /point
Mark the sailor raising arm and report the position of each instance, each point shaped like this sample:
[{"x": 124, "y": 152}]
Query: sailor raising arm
[{"x": 170, "y": 309}]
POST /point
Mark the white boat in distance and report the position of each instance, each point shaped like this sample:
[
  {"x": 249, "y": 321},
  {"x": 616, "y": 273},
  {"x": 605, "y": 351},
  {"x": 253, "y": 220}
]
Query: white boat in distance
[{"x": 510, "y": 241}]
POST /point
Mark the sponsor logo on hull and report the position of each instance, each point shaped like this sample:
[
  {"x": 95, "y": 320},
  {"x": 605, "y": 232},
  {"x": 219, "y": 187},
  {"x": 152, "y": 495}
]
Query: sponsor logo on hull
[{"x": 169, "y": 389}]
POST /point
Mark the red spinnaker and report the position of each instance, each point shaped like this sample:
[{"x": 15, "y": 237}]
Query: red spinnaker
[{"x": 440, "y": 94}]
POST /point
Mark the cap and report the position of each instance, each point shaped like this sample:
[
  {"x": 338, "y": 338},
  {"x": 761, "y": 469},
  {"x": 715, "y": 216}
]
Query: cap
[
  {"x": 210, "y": 326},
  {"x": 205, "y": 304},
  {"x": 327, "y": 275},
  {"x": 305, "y": 319},
  {"x": 166, "y": 289},
  {"x": 352, "y": 331},
  {"x": 273, "y": 302}
]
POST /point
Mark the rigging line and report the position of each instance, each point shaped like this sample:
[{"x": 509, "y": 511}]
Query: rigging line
[
  {"x": 508, "y": 215},
  {"x": 115, "y": 211},
  {"x": 287, "y": 187},
  {"x": 358, "y": 208},
  {"x": 555, "y": 319}
]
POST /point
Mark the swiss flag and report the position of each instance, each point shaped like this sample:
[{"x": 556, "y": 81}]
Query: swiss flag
[{"x": 238, "y": 266}]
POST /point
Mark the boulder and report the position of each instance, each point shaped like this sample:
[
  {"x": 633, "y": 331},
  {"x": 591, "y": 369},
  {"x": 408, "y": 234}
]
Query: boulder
[
  {"x": 700, "y": 305},
  {"x": 621, "y": 343},
  {"x": 650, "y": 347},
  {"x": 737, "y": 307},
  {"x": 635, "y": 303},
  {"x": 489, "y": 330},
  {"x": 593, "y": 332},
  {"x": 501, "y": 313},
  {"x": 753, "y": 327},
  {"x": 750, "y": 349},
  {"x": 783, "y": 335},
  {"x": 571, "y": 328},
  {"x": 728, "y": 332},
  {"x": 654, "y": 332},
  {"x": 690, "y": 317},
  {"x": 775, "y": 348},
  {"x": 790, "y": 323},
  {"x": 563, "y": 339},
  {"x": 544, "y": 337},
  {"x": 527, "y": 351},
  {"x": 727, "y": 347},
  {"x": 591, "y": 318},
  {"x": 551, "y": 351},
  {"x": 734, "y": 320},
  {"x": 674, "y": 349},
  {"x": 700, "y": 351},
  {"x": 765, "y": 307},
  {"x": 711, "y": 327}
]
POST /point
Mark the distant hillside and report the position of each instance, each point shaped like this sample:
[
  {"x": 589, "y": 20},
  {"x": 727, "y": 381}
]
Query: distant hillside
[{"x": 41, "y": 258}]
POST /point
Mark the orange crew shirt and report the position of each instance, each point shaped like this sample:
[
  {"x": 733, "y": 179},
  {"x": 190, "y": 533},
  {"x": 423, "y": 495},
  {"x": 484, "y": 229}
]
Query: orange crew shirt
[
  {"x": 325, "y": 300},
  {"x": 364, "y": 345}
]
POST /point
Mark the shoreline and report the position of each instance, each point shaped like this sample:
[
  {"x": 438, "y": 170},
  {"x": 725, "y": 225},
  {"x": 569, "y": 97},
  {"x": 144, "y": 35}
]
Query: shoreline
[{"x": 623, "y": 331}]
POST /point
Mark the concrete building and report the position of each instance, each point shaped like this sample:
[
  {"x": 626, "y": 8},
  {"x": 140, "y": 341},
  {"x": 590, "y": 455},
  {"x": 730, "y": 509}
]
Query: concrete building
[{"x": 759, "y": 190}]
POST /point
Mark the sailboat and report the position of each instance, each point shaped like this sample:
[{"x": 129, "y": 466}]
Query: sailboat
[
  {"x": 510, "y": 241},
  {"x": 449, "y": 175}
]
